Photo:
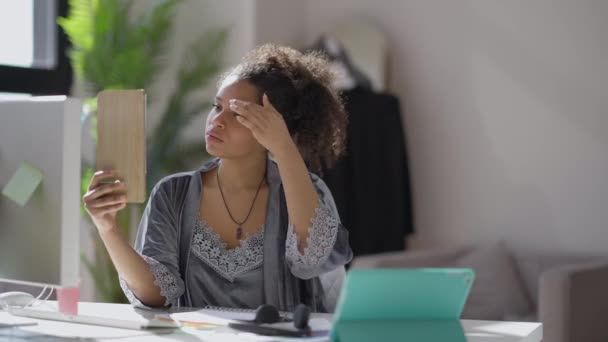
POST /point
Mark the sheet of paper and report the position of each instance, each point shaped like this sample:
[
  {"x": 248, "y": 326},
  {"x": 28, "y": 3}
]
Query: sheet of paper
[
  {"x": 23, "y": 183},
  {"x": 224, "y": 333},
  {"x": 208, "y": 316}
]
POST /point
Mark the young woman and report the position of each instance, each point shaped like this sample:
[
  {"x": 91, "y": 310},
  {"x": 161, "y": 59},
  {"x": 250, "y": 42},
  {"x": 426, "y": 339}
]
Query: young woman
[{"x": 252, "y": 226}]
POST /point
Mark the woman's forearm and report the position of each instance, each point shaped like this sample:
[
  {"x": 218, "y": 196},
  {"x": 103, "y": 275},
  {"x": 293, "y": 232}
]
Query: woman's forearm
[
  {"x": 132, "y": 268},
  {"x": 301, "y": 197}
]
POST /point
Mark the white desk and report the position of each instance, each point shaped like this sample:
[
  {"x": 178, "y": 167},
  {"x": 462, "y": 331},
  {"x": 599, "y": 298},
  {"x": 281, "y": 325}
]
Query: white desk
[{"x": 475, "y": 331}]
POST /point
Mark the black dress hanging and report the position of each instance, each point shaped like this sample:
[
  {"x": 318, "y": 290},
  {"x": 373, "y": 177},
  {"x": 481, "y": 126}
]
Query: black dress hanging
[{"x": 370, "y": 184}]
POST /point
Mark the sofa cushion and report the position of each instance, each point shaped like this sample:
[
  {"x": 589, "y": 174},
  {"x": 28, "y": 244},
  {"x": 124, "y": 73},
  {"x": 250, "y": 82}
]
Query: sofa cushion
[
  {"x": 531, "y": 265},
  {"x": 497, "y": 291}
]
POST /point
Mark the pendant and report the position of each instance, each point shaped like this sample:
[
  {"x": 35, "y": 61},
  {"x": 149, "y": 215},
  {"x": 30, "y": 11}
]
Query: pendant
[{"x": 239, "y": 232}]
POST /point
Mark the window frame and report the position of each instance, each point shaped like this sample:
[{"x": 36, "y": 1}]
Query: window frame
[{"x": 35, "y": 81}]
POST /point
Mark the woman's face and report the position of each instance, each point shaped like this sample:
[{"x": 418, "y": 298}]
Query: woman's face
[{"x": 225, "y": 137}]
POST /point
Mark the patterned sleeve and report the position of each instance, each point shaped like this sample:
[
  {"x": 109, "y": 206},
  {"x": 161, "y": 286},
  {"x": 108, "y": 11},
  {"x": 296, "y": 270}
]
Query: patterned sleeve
[
  {"x": 157, "y": 243},
  {"x": 327, "y": 243}
]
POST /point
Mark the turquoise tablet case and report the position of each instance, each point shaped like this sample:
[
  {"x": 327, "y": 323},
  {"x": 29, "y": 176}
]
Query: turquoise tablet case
[
  {"x": 398, "y": 303},
  {"x": 394, "y": 331}
]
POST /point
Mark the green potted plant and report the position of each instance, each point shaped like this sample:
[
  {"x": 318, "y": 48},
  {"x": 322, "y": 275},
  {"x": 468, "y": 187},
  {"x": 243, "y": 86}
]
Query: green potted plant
[{"x": 112, "y": 51}]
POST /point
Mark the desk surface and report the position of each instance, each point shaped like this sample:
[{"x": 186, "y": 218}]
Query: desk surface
[{"x": 475, "y": 331}]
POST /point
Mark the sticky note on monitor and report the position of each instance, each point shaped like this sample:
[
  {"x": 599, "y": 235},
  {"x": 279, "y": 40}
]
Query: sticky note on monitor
[{"x": 23, "y": 183}]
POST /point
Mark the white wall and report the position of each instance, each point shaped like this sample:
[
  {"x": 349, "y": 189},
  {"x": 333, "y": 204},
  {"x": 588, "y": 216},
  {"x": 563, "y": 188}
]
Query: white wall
[
  {"x": 506, "y": 109},
  {"x": 280, "y": 22},
  {"x": 193, "y": 18}
]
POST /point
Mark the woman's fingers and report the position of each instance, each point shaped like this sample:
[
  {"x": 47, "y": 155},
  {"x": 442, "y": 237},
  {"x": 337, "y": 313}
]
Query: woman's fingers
[
  {"x": 108, "y": 201},
  {"x": 110, "y": 196},
  {"x": 110, "y": 209},
  {"x": 100, "y": 176},
  {"x": 251, "y": 111},
  {"x": 104, "y": 189},
  {"x": 246, "y": 122}
]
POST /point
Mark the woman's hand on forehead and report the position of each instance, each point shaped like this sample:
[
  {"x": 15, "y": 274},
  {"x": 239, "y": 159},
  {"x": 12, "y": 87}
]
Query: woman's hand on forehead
[{"x": 265, "y": 123}]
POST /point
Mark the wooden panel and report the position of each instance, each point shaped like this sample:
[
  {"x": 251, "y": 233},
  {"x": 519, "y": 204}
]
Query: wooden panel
[{"x": 121, "y": 135}]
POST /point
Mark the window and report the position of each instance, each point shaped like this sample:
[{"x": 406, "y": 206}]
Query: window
[{"x": 33, "y": 47}]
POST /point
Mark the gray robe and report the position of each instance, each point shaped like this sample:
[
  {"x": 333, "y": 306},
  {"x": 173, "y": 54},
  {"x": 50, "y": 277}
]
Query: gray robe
[{"x": 193, "y": 270}]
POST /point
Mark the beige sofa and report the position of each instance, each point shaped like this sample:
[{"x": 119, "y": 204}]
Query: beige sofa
[{"x": 567, "y": 293}]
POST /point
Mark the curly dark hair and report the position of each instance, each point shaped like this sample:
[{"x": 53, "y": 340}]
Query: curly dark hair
[{"x": 299, "y": 86}]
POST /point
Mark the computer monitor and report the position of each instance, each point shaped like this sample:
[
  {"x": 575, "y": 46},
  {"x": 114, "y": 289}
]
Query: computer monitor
[{"x": 39, "y": 238}]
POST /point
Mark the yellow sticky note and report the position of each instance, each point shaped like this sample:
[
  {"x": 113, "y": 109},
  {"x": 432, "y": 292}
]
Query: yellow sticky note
[{"x": 23, "y": 183}]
